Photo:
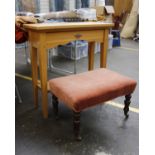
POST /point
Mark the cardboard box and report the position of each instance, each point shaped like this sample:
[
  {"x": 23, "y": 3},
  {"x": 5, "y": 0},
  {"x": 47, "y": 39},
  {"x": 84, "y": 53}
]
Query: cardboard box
[
  {"x": 109, "y": 9},
  {"x": 104, "y": 10},
  {"x": 99, "y": 10}
]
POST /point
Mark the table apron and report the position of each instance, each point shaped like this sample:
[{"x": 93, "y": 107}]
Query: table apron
[{"x": 61, "y": 38}]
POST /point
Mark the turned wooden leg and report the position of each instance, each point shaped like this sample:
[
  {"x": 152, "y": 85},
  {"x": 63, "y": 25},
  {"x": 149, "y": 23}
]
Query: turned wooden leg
[
  {"x": 76, "y": 123},
  {"x": 55, "y": 105},
  {"x": 127, "y": 103}
]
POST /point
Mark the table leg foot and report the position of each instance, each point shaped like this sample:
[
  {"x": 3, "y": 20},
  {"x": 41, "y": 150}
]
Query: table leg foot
[
  {"x": 127, "y": 103},
  {"x": 55, "y": 105},
  {"x": 76, "y": 122}
]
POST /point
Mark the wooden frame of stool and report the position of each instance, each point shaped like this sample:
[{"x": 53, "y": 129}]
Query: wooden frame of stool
[{"x": 76, "y": 115}]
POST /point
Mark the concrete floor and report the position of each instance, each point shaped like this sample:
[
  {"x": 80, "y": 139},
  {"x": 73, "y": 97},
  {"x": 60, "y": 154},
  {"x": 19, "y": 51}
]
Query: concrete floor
[{"x": 103, "y": 128}]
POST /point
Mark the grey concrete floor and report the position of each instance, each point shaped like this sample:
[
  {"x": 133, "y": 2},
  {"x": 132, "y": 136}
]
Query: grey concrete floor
[{"x": 103, "y": 128}]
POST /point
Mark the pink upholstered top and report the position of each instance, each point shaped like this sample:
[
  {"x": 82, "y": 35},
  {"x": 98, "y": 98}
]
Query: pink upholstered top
[{"x": 90, "y": 88}]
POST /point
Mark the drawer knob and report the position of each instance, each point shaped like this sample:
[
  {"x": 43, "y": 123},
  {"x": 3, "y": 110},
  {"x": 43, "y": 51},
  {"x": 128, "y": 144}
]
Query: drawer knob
[{"x": 78, "y": 36}]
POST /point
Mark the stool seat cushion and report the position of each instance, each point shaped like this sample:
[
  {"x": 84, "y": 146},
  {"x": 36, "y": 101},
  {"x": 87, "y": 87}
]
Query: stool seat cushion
[{"x": 87, "y": 89}]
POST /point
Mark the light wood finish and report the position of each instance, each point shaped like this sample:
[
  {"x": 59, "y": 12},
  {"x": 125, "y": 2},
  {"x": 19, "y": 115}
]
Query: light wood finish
[
  {"x": 43, "y": 74},
  {"x": 91, "y": 55},
  {"x": 118, "y": 6},
  {"x": 33, "y": 54},
  {"x": 60, "y": 37},
  {"x": 128, "y": 5},
  {"x": 65, "y": 26},
  {"x": 103, "y": 53},
  {"x": 44, "y": 36},
  {"x": 39, "y": 85},
  {"x": 122, "y": 6}
]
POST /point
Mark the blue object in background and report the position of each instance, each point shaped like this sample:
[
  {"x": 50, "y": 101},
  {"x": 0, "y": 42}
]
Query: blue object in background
[{"x": 116, "y": 37}]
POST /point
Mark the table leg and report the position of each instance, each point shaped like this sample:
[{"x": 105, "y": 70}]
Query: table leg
[
  {"x": 33, "y": 52},
  {"x": 43, "y": 79},
  {"x": 91, "y": 48},
  {"x": 103, "y": 53}
]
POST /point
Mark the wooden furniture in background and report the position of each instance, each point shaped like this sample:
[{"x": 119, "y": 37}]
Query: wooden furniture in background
[
  {"x": 44, "y": 36},
  {"x": 122, "y": 6}
]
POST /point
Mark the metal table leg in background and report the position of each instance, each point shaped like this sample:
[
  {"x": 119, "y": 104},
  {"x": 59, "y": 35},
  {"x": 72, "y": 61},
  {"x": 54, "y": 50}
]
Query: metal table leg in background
[
  {"x": 18, "y": 94},
  {"x": 56, "y": 69},
  {"x": 28, "y": 61}
]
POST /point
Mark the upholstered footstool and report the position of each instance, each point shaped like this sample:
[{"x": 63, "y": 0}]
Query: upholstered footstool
[{"x": 88, "y": 89}]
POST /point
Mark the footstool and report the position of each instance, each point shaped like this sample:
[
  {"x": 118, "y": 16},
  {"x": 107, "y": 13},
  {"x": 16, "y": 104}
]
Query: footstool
[{"x": 88, "y": 89}]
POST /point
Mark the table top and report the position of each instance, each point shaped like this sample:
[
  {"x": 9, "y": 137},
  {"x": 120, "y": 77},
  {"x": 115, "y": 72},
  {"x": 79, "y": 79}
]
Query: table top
[{"x": 67, "y": 25}]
